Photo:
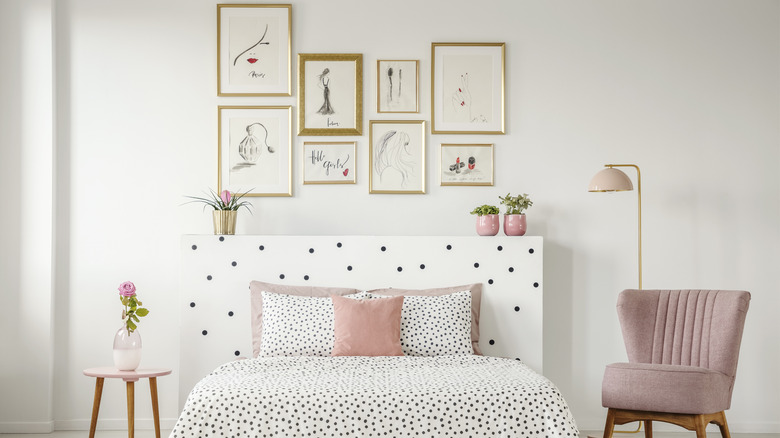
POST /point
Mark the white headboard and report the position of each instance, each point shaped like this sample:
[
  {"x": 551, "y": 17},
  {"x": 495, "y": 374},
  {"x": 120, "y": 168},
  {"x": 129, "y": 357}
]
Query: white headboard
[{"x": 216, "y": 271}]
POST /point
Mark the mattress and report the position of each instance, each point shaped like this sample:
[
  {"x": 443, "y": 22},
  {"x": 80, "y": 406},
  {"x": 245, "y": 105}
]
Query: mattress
[{"x": 375, "y": 396}]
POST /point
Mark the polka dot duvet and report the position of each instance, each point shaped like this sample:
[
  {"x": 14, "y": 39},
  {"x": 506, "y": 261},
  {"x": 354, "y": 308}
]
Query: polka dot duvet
[{"x": 442, "y": 396}]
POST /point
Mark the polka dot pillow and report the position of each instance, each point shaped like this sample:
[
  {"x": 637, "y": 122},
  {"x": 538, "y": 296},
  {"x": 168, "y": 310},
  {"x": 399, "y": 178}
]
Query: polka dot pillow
[
  {"x": 296, "y": 325},
  {"x": 435, "y": 325}
]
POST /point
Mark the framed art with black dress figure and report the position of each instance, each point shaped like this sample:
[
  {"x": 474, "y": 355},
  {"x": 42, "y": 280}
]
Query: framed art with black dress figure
[{"x": 330, "y": 96}]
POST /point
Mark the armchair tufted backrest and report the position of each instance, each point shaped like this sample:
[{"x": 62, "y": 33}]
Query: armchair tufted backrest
[{"x": 701, "y": 328}]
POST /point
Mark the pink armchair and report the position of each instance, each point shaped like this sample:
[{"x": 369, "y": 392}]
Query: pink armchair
[{"x": 682, "y": 347}]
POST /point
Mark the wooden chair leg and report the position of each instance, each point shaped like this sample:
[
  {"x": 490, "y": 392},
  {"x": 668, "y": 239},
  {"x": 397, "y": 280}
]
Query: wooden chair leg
[
  {"x": 722, "y": 424},
  {"x": 700, "y": 426},
  {"x": 610, "y": 425},
  {"x": 648, "y": 429}
]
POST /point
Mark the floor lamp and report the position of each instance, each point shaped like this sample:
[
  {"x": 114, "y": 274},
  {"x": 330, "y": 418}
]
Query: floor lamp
[{"x": 615, "y": 180}]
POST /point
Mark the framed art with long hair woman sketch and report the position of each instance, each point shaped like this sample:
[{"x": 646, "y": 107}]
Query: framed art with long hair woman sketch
[
  {"x": 330, "y": 99},
  {"x": 254, "y": 150},
  {"x": 396, "y": 156},
  {"x": 253, "y": 50},
  {"x": 467, "y": 88}
]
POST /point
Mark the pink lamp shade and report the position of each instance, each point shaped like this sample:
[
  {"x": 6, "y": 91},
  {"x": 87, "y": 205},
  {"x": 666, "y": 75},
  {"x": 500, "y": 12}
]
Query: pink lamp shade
[{"x": 610, "y": 180}]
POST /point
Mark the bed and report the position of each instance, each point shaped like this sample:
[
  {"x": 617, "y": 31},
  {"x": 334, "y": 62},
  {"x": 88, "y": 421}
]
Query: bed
[{"x": 422, "y": 380}]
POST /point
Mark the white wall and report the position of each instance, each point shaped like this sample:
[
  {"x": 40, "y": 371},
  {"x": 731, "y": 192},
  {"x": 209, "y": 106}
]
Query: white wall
[
  {"x": 26, "y": 227},
  {"x": 689, "y": 91}
]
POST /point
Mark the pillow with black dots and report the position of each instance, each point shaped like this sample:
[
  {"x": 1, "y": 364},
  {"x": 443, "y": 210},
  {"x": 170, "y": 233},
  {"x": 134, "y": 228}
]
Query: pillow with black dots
[
  {"x": 435, "y": 325},
  {"x": 296, "y": 326},
  {"x": 256, "y": 289}
]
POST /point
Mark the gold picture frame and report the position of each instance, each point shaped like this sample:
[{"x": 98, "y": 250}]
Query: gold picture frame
[
  {"x": 336, "y": 107},
  {"x": 254, "y": 55},
  {"x": 467, "y": 88},
  {"x": 254, "y": 151},
  {"x": 470, "y": 164},
  {"x": 396, "y": 92},
  {"x": 329, "y": 162},
  {"x": 396, "y": 156}
]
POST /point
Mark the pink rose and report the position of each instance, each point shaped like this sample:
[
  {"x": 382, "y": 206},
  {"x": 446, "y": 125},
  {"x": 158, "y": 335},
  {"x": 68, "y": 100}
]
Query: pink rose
[
  {"x": 127, "y": 289},
  {"x": 225, "y": 195}
]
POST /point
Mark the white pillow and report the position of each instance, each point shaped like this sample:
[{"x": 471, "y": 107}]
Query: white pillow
[
  {"x": 435, "y": 325},
  {"x": 296, "y": 325}
]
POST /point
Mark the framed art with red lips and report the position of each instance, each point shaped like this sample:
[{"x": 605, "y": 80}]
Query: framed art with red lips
[{"x": 253, "y": 50}]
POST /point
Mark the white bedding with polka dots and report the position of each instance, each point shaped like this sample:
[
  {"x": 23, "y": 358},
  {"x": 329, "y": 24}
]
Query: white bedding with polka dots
[{"x": 471, "y": 396}]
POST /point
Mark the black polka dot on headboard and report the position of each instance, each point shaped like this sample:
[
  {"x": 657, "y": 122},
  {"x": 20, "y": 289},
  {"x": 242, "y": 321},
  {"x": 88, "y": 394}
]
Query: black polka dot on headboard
[
  {"x": 490, "y": 281},
  {"x": 192, "y": 304},
  {"x": 422, "y": 266},
  {"x": 383, "y": 248},
  {"x": 449, "y": 247},
  {"x": 517, "y": 308},
  {"x": 491, "y": 342},
  {"x": 399, "y": 269},
  {"x": 221, "y": 238},
  {"x": 237, "y": 353},
  {"x": 306, "y": 277},
  {"x": 338, "y": 245},
  {"x": 281, "y": 276},
  {"x": 536, "y": 284},
  {"x": 349, "y": 268},
  {"x": 194, "y": 247},
  {"x": 230, "y": 313},
  {"x": 511, "y": 269},
  {"x": 234, "y": 264},
  {"x": 531, "y": 251},
  {"x": 311, "y": 250},
  {"x": 476, "y": 265},
  {"x": 209, "y": 277},
  {"x": 500, "y": 248},
  {"x": 204, "y": 332},
  {"x": 261, "y": 247}
]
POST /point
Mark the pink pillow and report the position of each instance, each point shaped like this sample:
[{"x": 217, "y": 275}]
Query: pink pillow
[{"x": 367, "y": 327}]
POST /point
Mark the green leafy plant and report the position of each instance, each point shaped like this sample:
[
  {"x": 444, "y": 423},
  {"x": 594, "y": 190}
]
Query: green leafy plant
[
  {"x": 516, "y": 204},
  {"x": 223, "y": 201},
  {"x": 132, "y": 312},
  {"x": 484, "y": 210}
]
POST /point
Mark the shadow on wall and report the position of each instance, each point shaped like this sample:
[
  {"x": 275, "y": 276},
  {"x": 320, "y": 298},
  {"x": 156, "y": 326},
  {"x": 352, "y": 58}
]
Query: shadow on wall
[{"x": 558, "y": 316}]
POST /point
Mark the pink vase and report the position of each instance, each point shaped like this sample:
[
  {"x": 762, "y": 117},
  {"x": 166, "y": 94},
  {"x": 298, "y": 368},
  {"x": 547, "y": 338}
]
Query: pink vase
[
  {"x": 514, "y": 224},
  {"x": 487, "y": 225}
]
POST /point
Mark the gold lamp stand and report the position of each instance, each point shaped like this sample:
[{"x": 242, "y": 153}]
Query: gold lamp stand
[{"x": 615, "y": 180}]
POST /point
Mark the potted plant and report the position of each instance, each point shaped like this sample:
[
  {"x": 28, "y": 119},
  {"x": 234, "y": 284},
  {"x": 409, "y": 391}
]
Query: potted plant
[
  {"x": 487, "y": 220},
  {"x": 514, "y": 218},
  {"x": 225, "y": 206}
]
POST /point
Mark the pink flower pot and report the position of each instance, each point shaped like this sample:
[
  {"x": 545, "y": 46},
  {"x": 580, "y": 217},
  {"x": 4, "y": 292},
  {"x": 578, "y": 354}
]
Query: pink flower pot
[
  {"x": 514, "y": 224},
  {"x": 487, "y": 225}
]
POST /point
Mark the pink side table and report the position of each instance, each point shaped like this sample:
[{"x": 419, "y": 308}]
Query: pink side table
[{"x": 130, "y": 377}]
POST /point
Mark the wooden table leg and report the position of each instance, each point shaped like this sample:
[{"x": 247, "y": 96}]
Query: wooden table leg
[
  {"x": 130, "y": 409},
  {"x": 96, "y": 406},
  {"x": 155, "y": 407}
]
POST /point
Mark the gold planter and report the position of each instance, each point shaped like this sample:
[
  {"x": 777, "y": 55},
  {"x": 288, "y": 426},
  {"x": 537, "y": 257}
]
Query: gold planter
[{"x": 225, "y": 221}]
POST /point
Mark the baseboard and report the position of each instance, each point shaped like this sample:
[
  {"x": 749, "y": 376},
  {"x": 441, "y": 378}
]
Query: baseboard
[
  {"x": 114, "y": 424},
  {"x": 764, "y": 427},
  {"x": 26, "y": 426}
]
